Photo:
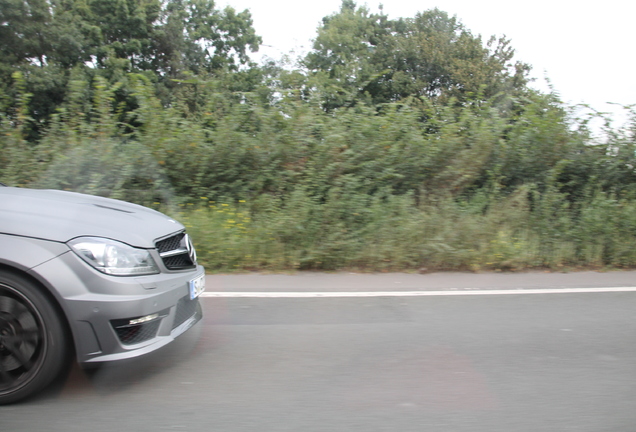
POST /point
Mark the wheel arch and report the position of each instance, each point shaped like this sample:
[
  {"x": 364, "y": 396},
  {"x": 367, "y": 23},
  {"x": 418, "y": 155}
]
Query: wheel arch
[{"x": 47, "y": 291}]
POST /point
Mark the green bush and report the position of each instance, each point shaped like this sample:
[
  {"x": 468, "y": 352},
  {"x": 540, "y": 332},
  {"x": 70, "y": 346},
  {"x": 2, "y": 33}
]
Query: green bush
[{"x": 280, "y": 184}]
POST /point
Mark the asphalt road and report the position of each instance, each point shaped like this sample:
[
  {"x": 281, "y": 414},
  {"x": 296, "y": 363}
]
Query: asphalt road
[{"x": 548, "y": 361}]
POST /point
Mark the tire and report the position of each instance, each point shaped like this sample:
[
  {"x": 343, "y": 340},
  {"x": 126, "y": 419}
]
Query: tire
[{"x": 34, "y": 345}]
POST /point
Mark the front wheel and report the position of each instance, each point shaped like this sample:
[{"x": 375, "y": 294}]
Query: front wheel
[{"x": 33, "y": 341}]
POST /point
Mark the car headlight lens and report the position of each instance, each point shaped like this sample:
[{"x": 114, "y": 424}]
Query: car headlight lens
[{"x": 113, "y": 257}]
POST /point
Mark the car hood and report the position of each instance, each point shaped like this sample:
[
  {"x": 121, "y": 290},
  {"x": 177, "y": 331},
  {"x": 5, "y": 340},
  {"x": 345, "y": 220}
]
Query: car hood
[{"x": 61, "y": 216}]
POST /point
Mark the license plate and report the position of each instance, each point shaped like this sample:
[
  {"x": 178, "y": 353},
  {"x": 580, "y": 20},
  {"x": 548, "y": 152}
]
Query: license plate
[{"x": 197, "y": 286}]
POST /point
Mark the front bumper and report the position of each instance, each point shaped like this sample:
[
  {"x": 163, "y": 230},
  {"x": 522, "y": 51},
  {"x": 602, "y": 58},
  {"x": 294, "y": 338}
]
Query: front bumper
[{"x": 116, "y": 318}]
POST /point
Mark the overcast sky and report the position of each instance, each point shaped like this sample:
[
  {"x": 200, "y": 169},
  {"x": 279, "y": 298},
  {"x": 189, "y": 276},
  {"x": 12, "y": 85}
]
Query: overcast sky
[{"x": 585, "y": 49}]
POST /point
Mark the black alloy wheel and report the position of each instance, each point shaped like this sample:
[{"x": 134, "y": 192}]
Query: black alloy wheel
[{"x": 33, "y": 343}]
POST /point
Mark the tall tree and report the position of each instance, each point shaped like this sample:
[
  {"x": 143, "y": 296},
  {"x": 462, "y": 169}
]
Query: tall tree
[
  {"x": 367, "y": 55},
  {"x": 164, "y": 39}
]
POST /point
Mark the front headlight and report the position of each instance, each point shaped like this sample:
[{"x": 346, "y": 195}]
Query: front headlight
[{"x": 113, "y": 257}]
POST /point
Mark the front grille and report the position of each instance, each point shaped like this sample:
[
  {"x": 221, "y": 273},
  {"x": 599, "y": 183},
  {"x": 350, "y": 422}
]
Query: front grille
[
  {"x": 170, "y": 243},
  {"x": 186, "y": 308},
  {"x": 133, "y": 334},
  {"x": 177, "y": 262},
  {"x": 177, "y": 252}
]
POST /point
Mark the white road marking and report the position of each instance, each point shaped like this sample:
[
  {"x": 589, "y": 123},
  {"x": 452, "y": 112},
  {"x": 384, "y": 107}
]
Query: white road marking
[{"x": 449, "y": 292}]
